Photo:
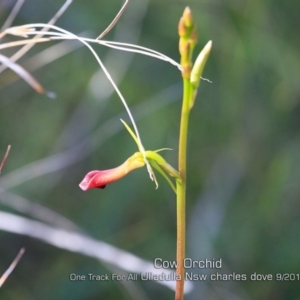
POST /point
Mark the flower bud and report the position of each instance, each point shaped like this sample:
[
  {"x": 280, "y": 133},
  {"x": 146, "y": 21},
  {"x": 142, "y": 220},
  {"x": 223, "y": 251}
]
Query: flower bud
[
  {"x": 199, "y": 64},
  {"x": 188, "y": 17}
]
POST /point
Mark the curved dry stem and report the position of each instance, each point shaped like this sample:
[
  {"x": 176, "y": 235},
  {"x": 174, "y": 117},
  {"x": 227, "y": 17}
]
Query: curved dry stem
[
  {"x": 27, "y": 30},
  {"x": 70, "y": 36}
]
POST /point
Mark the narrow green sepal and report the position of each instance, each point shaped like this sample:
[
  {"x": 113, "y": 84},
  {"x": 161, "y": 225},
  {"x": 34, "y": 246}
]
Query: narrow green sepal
[
  {"x": 156, "y": 161},
  {"x": 159, "y": 169},
  {"x": 132, "y": 134},
  {"x": 141, "y": 148},
  {"x": 152, "y": 155}
]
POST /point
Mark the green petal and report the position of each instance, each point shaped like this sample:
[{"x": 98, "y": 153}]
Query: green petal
[{"x": 132, "y": 134}]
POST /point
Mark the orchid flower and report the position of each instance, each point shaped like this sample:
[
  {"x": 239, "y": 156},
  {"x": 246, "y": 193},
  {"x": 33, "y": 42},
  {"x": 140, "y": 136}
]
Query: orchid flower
[{"x": 99, "y": 179}]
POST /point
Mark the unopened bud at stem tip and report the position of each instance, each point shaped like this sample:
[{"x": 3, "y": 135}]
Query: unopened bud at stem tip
[{"x": 188, "y": 17}]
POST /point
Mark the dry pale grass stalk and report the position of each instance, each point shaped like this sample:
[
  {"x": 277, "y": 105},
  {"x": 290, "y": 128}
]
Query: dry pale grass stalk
[
  {"x": 18, "y": 257},
  {"x": 12, "y": 15},
  {"x": 114, "y": 21},
  {"x": 4, "y": 158},
  {"x": 12, "y": 266}
]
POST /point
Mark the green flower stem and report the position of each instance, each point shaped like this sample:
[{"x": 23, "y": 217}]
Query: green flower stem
[
  {"x": 181, "y": 188},
  {"x": 191, "y": 79}
]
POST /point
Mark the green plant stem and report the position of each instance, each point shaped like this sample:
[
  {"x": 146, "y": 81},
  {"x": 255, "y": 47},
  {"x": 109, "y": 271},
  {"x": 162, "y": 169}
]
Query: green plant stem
[{"x": 181, "y": 189}]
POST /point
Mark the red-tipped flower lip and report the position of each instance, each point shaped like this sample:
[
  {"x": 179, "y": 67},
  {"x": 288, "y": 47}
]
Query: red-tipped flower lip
[{"x": 98, "y": 179}]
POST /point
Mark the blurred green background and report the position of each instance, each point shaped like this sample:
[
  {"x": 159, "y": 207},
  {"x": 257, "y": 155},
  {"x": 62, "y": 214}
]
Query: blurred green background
[{"x": 243, "y": 153}]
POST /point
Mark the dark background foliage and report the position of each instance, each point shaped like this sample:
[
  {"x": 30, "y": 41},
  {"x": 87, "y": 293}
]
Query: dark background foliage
[{"x": 243, "y": 153}]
